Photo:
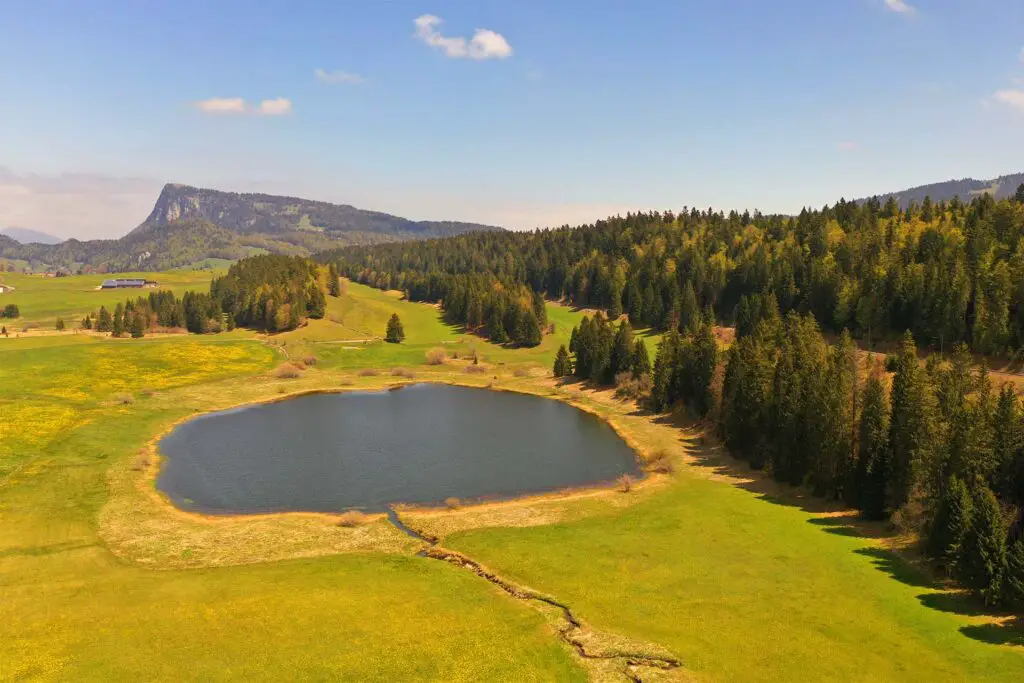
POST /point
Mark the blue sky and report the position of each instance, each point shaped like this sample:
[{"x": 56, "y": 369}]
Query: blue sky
[{"x": 518, "y": 113}]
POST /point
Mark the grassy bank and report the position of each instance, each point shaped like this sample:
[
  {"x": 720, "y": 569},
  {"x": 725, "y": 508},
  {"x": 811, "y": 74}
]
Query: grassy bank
[{"x": 102, "y": 580}]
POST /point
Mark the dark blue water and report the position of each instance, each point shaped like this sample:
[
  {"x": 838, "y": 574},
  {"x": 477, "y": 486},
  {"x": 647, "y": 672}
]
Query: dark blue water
[{"x": 368, "y": 450}]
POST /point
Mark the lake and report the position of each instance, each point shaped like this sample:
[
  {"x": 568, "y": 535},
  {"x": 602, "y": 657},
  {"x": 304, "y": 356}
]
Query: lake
[{"x": 368, "y": 450}]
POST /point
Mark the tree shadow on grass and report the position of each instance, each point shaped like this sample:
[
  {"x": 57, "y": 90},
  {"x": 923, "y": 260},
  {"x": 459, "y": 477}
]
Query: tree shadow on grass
[
  {"x": 898, "y": 568},
  {"x": 1009, "y": 632}
]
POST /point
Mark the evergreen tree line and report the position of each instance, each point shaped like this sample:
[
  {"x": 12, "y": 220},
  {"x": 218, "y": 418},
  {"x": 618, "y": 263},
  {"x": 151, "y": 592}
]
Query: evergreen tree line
[
  {"x": 937, "y": 448},
  {"x": 270, "y": 292},
  {"x": 949, "y": 271}
]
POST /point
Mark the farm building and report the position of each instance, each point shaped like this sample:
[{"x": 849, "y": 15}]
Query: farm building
[
  {"x": 127, "y": 284},
  {"x": 6, "y": 288}
]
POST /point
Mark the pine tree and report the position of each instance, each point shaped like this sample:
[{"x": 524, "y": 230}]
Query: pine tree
[
  {"x": 640, "y": 362},
  {"x": 563, "y": 366},
  {"x": 1013, "y": 578},
  {"x": 60, "y": 324},
  {"x": 1007, "y": 439},
  {"x": 117, "y": 322},
  {"x": 104, "y": 323},
  {"x": 873, "y": 467},
  {"x": 983, "y": 554},
  {"x": 664, "y": 366},
  {"x": 137, "y": 323},
  {"x": 333, "y": 280},
  {"x": 3, "y": 330},
  {"x": 1019, "y": 195},
  {"x": 689, "y": 310},
  {"x": 951, "y": 524},
  {"x": 911, "y": 426},
  {"x": 527, "y": 330},
  {"x": 316, "y": 303},
  {"x": 701, "y": 369},
  {"x": 622, "y": 349},
  {"x": 87, "y": 322},
  {"x": 395, "y": 333}
]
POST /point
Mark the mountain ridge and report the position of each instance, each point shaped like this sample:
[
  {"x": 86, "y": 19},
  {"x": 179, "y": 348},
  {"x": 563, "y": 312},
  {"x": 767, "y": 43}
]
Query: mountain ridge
[
  {"x": 965, "y": 188},
  {"x": 189, "y": 224},
  {"x": 28, "y": 236}
]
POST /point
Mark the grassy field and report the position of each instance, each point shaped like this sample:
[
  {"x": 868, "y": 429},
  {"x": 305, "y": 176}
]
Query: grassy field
[
  {"x": 730, "y": 577},
  {"x": 42, "y": 300}
]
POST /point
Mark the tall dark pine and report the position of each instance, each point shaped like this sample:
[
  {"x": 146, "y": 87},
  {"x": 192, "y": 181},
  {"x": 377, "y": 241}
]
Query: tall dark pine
[
  {"x": 395, "y": 333},
  {"x": 983, "y": 556},
  {"x": 873, "y": 463},
  {"x": 563, "y": 366},
  {"x": 911, "y": 429},
  {"x": 640, "y": 362}
]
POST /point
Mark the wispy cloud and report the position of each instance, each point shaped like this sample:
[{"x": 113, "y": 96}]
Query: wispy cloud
[
  {"x": 277, "y": 107},
  {"x": 222, "y": 105},
  {"x": 900, "y": 6},
  {"x": 1011, "y": 98},
  {"x": 847, "y": 146},
  {"x": 338, "y": 77},
  {"x": 485, "y": 44},
  {"x": 236, "y": 105}
]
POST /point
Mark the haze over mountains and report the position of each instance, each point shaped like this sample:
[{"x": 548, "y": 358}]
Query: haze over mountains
[
  {"x": 26, "y": 236},
  {"x": 189, "y": 224},
  {"x": 966, "y": 189}
]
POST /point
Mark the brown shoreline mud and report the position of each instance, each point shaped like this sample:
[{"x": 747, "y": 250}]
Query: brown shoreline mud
[{"x": 141, "y": 524}]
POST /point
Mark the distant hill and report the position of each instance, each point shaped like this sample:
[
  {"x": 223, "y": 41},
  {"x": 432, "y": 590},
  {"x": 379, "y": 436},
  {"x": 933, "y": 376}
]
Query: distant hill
[
  {"x": 967, "y": 189},
  {"x": 26, "y": 236},
  {"x": 189, "y": 224}
]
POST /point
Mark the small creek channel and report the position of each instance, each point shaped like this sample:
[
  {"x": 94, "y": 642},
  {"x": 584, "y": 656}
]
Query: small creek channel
[{"x": 422, "y": 444}]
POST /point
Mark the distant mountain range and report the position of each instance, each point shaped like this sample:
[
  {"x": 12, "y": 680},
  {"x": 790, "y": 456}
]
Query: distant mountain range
[
  {"x": 966, "y": 189},
  {"x": 190, "y": 224},
  {"x": 26, "y": 236}
]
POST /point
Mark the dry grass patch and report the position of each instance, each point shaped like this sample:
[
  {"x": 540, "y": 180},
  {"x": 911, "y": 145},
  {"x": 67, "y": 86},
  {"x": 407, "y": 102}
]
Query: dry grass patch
[
  {"x": 402, "y": 372},
  {"x": 369, "y": 372},
  {"x": 624, "y": 484},
  {"x": 476, "y": 369},
  {"x": 352, "y": 518},
  {"x": 436, "y": 356},
  {"x": 287, "y": 371}
]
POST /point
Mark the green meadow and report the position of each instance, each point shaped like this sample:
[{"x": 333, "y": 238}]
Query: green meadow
[{"x": 739, "y": 581}]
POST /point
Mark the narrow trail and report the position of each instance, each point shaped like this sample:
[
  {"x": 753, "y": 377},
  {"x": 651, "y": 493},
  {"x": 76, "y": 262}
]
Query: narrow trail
[{"x": 605, "y": 657}]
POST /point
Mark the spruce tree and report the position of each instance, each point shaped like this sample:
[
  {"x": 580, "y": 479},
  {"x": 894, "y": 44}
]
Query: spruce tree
[
  {"x": 395, "y": 333},
  {"x": 951, "y": 524},
  {"x": 911, "y": 426},
  {"x": 104, "y": 323},
  {"x": 701, "y": 371},
  {"x": 873, "y": 469},
  {"x": 3, "y": 330},
  {"x": 563, "y": 366},
  {"x": 983, "y": 553},
  {"x": 1013, "y": 578},
  {"x": 1007, "y": 439},
  {"x": 664, "y": 366},
  {"x": 527, "y": 331},
  {"x": 1019, "y": 195},
  {"x": 622, "y": 349},
  {"x": 137, "y": 323},
  {"x": 333, "y": 281},
  {"x": 689, "y": 310},
  {"x": 117, "y": 322},
  {"x": 60, "y": 324},
  {"x": 640, "y": 362}
]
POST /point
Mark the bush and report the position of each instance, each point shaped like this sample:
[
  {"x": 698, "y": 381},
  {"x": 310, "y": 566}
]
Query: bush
[
  {"x": 662, "y": 463},
  {"x": 287, "y": 371},
  {"x": 369, "y": 372},
  {"x": 309, "y": 361},
  {"x": 476, "y": 369},
  {"x": 352, "y": 518},
  {"x": 521, "y": 372},
  {"x": 436, "y": 356},
  {"x": 402, "y": 372},
  {"x": 628, "y": 388},
  {"x": 624, "y": 484},
  {"x": 452, "y": 503}
]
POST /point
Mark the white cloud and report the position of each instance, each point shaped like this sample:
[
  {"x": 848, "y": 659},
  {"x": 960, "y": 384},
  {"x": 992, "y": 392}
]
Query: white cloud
[
  {"x": 222, "y": 105},
  {"x": 900, "y": 6},
  {"x": 485, "y": 44},
  {"x": 847, "y": 146},
  {"x": 1011, "y": 98},
  {"x": 277, "y": 107},
  {"x": 338, "y": 77}
]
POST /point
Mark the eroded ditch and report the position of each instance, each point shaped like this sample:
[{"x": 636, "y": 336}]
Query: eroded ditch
[{"x": 604, "y": 656}]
